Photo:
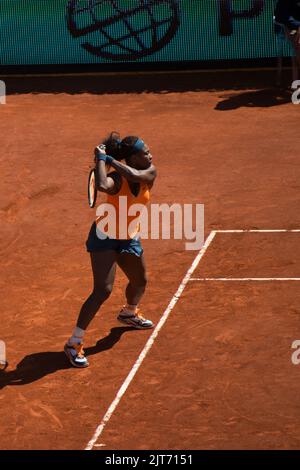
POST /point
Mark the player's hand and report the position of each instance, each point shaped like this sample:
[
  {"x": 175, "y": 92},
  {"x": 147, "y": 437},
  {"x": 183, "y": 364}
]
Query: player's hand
[{"x": 99, "y": 150}]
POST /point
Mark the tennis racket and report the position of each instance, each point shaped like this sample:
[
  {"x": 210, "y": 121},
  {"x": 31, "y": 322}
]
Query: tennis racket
[{"x": 92, "y": 188}]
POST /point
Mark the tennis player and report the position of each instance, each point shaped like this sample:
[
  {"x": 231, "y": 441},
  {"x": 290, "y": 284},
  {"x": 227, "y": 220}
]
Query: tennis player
[{"x": 133, "y": 179}]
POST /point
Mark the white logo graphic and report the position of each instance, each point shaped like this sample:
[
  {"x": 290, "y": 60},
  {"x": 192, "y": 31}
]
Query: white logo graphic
[
  {"x": 2, "y": 92},
  {"x": 296, "y": 94},
  {"x": 3, "y": 363},
  {"x": 296, "y": 354}
]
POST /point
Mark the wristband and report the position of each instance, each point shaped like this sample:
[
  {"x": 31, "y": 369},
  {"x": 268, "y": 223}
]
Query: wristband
[
  {"x": 101, "y": 157},
  {"x": 109, "y": 159}
]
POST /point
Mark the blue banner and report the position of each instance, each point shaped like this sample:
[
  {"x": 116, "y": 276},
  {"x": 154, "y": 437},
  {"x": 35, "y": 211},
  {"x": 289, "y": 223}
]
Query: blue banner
[{"x": 113, "y": 31}]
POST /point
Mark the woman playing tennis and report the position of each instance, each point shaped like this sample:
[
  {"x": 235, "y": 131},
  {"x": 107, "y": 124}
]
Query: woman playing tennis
[{"x": 133, "y": 179}]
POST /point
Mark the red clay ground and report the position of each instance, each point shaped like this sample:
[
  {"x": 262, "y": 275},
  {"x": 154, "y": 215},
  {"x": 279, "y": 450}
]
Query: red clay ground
[
  {"x": 219, "y": 374},
  {"x": 237, "y": 387}
]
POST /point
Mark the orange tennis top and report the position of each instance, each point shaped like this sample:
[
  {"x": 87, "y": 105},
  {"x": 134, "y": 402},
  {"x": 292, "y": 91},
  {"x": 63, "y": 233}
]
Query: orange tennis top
[{"x": 125, "y": 226}]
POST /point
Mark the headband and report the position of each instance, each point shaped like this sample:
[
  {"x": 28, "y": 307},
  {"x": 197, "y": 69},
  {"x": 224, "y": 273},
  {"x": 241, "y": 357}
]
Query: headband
[{"x": 139, "y": 145}]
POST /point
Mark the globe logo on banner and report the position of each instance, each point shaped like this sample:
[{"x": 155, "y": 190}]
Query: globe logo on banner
[{"x": 123, "y": 29}]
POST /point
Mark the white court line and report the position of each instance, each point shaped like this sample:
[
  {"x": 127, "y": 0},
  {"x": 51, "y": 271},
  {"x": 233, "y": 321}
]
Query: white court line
[
  {"x": 149, "y": 343},
  {"x": 93, "y": 442},
  {"x": 263, "y": 279},
  {"x": 259, "y": 231}
]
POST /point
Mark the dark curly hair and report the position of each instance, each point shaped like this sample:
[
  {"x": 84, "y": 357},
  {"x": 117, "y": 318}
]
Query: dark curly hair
[{"x": 120, "y": 149}]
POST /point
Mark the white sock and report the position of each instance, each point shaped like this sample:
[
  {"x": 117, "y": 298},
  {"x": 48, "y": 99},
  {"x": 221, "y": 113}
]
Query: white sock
[
  {"x": 129, "y": 309},
  {"x": 77, "y": 335}
]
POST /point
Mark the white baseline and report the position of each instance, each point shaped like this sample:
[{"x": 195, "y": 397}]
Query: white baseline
[{"x": 241, "y": 279}]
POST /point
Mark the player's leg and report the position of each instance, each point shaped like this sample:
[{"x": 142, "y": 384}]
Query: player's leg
[
  {"x": 104, "y": 268},
  {"x": 134, "y": 268}
]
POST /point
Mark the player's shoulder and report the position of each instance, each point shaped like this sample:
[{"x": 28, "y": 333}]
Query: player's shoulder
[{"x": 153, "y": 169}]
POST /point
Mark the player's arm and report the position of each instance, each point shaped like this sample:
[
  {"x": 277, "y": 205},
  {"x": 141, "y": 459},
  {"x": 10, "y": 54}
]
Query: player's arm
[
  {"x": 132, "y": 175},
  {"x": 107, "y": 184}
]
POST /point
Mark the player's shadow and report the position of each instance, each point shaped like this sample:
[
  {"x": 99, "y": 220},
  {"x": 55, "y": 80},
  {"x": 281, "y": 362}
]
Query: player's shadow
[
  {"x": 265, "y": 98},
  {"x": 35, "y": 366}
]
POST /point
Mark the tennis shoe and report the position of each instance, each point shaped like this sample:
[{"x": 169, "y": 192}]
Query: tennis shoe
[
  {"x": 136, "y": 320},
  {"x": 75, "y": 354}
]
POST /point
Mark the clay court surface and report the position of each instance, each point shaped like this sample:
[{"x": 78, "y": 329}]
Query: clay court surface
[{"x": 219, "y": 374}]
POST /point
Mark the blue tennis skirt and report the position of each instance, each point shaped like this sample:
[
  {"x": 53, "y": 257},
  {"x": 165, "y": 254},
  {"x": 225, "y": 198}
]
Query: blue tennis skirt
[{"x": 132, "y": 246}]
